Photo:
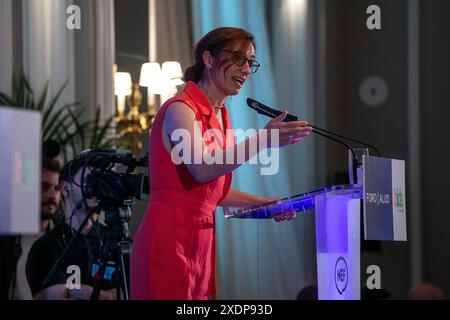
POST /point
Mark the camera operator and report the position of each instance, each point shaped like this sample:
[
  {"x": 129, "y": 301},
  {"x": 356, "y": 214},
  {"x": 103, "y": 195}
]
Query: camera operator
[{"x": 84, "y": 252}]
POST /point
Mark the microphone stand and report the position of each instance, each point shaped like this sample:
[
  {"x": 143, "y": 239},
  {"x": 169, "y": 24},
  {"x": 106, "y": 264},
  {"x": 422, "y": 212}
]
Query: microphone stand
[
  {"x": 272, "y": 113},
  {"x": 346, "y": 138},
  {"x": 355, "y": 163}
]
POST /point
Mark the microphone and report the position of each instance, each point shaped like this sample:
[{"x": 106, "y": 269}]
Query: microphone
[
  {"x": 267, "y": 111},
  {"x": 273, "y": 113}
]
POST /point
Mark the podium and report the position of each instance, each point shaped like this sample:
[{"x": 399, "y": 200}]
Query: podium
[
  {"x": 337, "y": 214},
  {"x": 381, "y": 190}
]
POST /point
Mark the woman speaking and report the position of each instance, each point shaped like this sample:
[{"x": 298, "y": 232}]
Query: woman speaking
[{"x": 173, "y": 253}]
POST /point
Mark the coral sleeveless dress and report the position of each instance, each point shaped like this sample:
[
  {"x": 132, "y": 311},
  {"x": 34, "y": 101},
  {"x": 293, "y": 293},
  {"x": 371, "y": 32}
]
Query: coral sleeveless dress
[{"x": 173, "y": 254}]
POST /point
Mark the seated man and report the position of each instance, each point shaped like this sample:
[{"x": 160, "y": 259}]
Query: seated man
[
  {"x": 84, "y": 253},
  {"x": 50, "y": 199}
]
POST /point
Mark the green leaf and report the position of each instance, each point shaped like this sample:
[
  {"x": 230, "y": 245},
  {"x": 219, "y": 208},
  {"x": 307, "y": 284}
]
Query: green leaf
[
  {"x": 52, "y": 104},
  {"x": 61, "y": 123},
  {"x": 28, "y": 93},
  {"x": 73, "y": 145},
  {"x": 69, "y": 140},
  {"x": 15, "y": 87},
  {"x": 19, "y": 93},
  {"x": 64, "y": 152},
  {"x": 79, "y": 128},
  {"x": 103, "y": 131},
  {"x": 52, "y": 122},
  {"x": 55, "y": 119},
  {"x": 108, "y": 143},
  {"x": 6, "y": 100},
  {"x": 26, "y": 84},
  {"x": 94, "y": 130},
  {"x": 57, "y": 126},
  {"x": 43, "y": 97}
]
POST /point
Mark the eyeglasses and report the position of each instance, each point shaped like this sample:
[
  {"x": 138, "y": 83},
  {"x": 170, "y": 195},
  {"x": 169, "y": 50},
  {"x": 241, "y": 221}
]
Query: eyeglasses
[{"x": 239, "y": 58}]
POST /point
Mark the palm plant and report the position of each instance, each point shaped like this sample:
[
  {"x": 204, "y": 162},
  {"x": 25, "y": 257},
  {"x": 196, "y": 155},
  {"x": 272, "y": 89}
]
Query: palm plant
[{"x": 63, "y": 123}]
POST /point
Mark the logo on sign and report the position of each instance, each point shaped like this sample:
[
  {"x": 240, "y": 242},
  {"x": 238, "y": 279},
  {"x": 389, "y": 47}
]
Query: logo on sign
[
  {"x": 341, "y": 275},
  {"x": 378, "y": 198},
  {"x": 399, "y": 201}
]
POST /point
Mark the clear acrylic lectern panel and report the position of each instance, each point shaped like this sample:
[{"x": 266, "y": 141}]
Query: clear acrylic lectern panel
[{"x": 337, "y": 241}]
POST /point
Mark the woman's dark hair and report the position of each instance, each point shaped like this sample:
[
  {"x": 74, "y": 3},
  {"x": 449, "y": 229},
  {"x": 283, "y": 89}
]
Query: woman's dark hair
[{"x": 214, "y": 41}]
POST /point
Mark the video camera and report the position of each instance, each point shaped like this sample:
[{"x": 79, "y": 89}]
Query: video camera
[
  {"x": 111, "y": 187},
  {"x": 113, "y": 190}
]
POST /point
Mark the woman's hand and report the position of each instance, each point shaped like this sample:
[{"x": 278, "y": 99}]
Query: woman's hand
[
  {"x": 288, "y": 132},
  {"x": 287, "y": 215}
]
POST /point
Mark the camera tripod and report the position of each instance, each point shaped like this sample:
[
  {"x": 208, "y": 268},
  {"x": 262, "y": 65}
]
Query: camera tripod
[
  {"x": 114, "y": 261},
  {"x": 117, "y": 250}
]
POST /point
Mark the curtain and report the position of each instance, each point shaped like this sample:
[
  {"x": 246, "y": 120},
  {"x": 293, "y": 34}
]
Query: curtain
[
  {"x": 48, "y": 47},
  {"x": 173, "y": 36},
  {"x": 6, "y": 53},
  {"x": 265, "y": 259},
  {"x": 105, "y": 56},
  {"x": 95, "y": 56},
  {"x": 50, "y": 51}
]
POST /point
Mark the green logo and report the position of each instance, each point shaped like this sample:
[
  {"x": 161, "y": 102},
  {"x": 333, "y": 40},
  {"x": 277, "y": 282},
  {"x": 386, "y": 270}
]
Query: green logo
[{"x": 399, "y": 199}]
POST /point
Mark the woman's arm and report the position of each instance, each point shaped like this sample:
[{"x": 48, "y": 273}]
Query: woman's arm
[
  {"x": 179, "y": 118},
  {"x": 236, "y": 198}
]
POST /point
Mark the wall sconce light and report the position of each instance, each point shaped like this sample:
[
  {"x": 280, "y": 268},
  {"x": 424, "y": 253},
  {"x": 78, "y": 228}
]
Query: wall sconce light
[
  {"x": 160, "y": 80},
  {"x": 122, "y": 88},
  {"x": 150, "y": 76},
  {"x": 173, "y": 70}
]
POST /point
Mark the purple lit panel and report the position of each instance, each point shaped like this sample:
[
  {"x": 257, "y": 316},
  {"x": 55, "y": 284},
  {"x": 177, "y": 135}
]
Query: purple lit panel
[
  {"x": 338, "y": 247},
  {"x": 331, "y": 223}
]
